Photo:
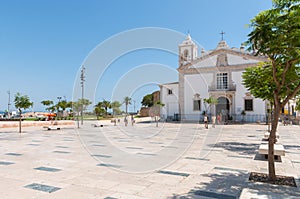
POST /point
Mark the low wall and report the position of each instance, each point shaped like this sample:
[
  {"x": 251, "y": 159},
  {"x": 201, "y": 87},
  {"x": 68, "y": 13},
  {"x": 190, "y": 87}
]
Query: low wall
[{"x": 11, "y": 124}]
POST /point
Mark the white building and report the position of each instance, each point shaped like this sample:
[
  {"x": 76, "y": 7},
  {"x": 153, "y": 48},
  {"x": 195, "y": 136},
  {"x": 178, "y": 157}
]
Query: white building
[{"x": 216, "y": 74}]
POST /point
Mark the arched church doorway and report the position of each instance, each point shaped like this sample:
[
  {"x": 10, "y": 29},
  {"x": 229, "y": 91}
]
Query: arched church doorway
[{"x": 223, "y": 107}]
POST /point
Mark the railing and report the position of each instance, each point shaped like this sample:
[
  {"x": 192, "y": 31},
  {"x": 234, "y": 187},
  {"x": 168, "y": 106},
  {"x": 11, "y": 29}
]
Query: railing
[
  {"x": 228, "y": 87},
  {"x": 232, "y": 118}
]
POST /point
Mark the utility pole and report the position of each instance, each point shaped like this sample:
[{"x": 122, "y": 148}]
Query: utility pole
[
  {"x": 8, "y": 104},
  {"x": 82, "y": 78}
]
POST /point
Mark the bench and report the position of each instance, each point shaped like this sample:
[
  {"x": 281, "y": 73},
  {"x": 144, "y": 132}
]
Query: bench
[
  {"x": 278, "y": 150},
  {"x": 54, "y": 127},
  {"x": 267, "y": 134},
  {"x": 97, "y": 125}
]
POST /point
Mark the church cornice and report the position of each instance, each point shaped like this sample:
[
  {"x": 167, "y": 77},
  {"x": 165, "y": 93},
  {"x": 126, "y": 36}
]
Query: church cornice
[
  {"x": 222, "y": 51},
  {"x": 230, "y": 68}
]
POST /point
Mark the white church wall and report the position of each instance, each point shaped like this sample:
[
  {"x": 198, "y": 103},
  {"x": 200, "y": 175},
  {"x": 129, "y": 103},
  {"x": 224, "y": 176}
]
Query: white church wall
[
  {"x": 259, "y": 109},
  {"x": 170, "y": 100},
  {"x": 195, "y": 84}
]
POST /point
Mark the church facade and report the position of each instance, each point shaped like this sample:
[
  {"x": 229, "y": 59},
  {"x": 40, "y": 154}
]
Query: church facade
[{"x": 213, "y": 74}]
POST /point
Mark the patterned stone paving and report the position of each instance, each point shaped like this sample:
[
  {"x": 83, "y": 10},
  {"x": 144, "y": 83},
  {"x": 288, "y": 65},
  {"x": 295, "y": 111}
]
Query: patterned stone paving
[{"x": 41, "y": 164}]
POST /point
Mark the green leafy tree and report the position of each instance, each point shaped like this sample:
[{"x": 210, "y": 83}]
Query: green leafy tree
[
  {"x": 208, "y": 102},
  {"x": 147, "y": 100},
  {"x": 106, "y": 105},
  {"x": 81, "y": 105},
  {"x": 127, "y": 101},
  {"x": 22, "y": 102},
  {"x": 115, "y": 105},
  {"x": 275, "y": 35},
  {"x": 99, "y": 111},
  {"x": 47, "y": 103},
  {"x": 298, "y": 104}
]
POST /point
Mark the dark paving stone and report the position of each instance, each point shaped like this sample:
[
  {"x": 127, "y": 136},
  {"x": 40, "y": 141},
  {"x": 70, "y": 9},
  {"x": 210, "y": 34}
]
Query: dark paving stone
[
  {"x": 172, "y": 147},
  {"x": 98, "y": 145},
  {"x": 131, "y": 147},
  {"x": 298, "y": 162},
  {"x": 110, "y": 198},
  {"x": 150, "y": 154},
  {"x": 192, "y": 158},
  {"x": 236, "y": 156},
  {"x": 62, "y": 147},
  {"x": 14, "y": 154},
  {"x": 49, "y": 169},
  {"x": 156, "y": 142},
  {"x": 61, "y": 152},
  {"x": 33, "y": 144},
  {"x": 36, "y": 141},
  {"x": 109, "y": 165},
  {"x": 174, "y": 173},
  {"x": 102, "y": 156},
  {"x": 6, "y": 163},
  {"x": 230, "y": 169},
  {"x": 212, "y": 194},
  {"x": 41, "y": 187}
]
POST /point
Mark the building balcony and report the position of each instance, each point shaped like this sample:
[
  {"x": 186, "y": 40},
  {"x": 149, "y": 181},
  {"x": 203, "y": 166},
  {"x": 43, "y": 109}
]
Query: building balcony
[{"x": 228, "y": 87}]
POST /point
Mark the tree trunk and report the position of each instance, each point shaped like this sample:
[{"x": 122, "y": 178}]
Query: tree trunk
[
  {"x": 20, "y": 121},
  {"x": 272, "y": 140}
]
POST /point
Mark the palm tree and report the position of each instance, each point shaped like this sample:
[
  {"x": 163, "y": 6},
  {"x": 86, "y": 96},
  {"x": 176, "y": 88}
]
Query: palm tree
[
  {"x": 127, "y": 101},
  {"x": 106, "y": 105}
]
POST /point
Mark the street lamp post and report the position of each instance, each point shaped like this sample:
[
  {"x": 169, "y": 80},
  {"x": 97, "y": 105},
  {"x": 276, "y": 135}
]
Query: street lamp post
[
  {"x": 8, "y": 104},
  {"x": 82, "y": 78},
  {"x": 59, "y": 98}
]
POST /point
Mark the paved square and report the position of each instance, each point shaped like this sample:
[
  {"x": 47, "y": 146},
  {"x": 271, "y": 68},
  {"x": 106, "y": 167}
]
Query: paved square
[{"x": 216, "y": 163}]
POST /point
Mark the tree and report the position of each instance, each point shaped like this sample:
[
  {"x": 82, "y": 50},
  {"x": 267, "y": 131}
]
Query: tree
[
  {"x": 298, "y": 104},
  {"x": 208, "y": 102},
  {"x": 47, "y": 103},
  {"x": 275, "y": 35},
  {"x": 127, "y": 101},
  {"x": 99, "y": 111},
  {"x": 115, "y": 105},
  {"x": 147, "y": 100},
  {"x": 22, "y": 102},
  {"x": 106, "y": 105},
  {"x": 81, "y": 105}
]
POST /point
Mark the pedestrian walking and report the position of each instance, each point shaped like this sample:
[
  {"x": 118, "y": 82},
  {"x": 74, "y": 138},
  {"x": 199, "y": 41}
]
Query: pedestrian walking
[
  {"x": 126, "y": 120},
  {"x": 213, "y": 121},
  {"x": 205, "y": 121}
]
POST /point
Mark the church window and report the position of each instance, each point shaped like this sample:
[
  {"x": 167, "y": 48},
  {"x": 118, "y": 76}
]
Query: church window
[
  {"x": 248, "y": 104},
  {"x": 197, "y": 105},
  {"x": 170, "y": 92},
  {"x": 222, "y": 81},
  {"x": 197, "y": 102},
  {"x": 185, "y": 54}
]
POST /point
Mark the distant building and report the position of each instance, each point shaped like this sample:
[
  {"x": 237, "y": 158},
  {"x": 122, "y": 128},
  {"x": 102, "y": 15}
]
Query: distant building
[
  {"x": 217, "y": 74},
  {"x": 154, "y": 110}
]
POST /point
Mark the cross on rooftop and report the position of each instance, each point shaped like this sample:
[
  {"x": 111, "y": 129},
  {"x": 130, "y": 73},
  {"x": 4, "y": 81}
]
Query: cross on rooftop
[{"x": 222, "y": 33}]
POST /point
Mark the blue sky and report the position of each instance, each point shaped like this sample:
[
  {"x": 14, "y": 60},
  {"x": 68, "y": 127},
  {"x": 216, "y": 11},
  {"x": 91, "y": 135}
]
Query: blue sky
[{"x": 44, "y": 43}]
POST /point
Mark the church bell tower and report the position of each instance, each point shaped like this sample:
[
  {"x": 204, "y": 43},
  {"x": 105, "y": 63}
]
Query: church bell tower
[{"x": 187, "y": 51}]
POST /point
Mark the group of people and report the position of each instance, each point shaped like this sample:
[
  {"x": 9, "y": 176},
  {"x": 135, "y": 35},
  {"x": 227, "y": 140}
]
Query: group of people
[
  {"x": 126, "y": 120},
  {"x": 213, "y": 120}
]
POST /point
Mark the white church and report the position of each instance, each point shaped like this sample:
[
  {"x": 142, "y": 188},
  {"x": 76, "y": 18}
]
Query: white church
[{"x": 217, "y": 74}]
